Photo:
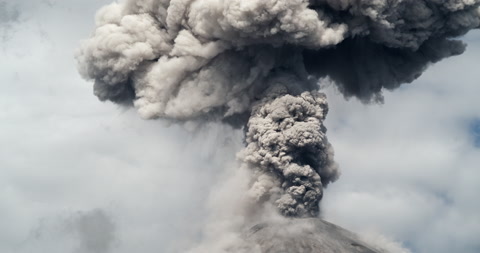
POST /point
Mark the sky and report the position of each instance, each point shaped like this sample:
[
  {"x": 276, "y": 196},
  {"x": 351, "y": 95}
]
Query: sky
[{"x": 79, "y": 175}]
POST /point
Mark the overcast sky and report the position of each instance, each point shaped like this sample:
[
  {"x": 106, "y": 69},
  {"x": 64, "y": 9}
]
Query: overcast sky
[{"x": 78, "y": 175}]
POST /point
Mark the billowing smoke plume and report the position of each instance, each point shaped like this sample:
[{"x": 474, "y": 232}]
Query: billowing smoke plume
[
  {"x": 288, "y": 149},
  {"x": 256, "y": 63}
]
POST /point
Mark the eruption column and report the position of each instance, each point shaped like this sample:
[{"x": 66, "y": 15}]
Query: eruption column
[
  {"x": 288, "y": 150},
  {"x": 255, "y": 64}
]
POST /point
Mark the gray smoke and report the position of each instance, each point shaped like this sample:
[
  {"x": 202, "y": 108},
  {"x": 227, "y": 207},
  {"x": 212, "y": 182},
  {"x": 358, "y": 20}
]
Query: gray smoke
[
  {"x": 288, "y": 150},
  {"x": 256, "y": 64},
  {"x": 362, "y": 68}
]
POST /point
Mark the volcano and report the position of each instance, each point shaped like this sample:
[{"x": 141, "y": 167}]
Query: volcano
[{"x": 309, "y": 235}]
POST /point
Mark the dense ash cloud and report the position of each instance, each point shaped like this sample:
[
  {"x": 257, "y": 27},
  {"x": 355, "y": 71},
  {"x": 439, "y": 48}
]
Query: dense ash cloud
[
  {"x": 152, "y": 53},
  {"x": 361, "y": 68},
  {"x": 189, "y": 60},
  {"x": 403, "y": 23},
  {"x": 288, "y": 149}
]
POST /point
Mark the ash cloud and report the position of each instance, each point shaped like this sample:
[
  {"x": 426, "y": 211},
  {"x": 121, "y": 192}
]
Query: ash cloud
[
  {"x": 256, "y": 64},
  {"x": 288, "y": 149},
  {"x": 363, "y": 69},
  {"x": 212, "y": 60},
  {"x": 151, "y": 53}
]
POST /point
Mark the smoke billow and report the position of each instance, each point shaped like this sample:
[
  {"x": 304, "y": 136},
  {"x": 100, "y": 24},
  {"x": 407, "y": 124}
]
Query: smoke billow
[
  {"x": 256, "y": 64},
  {"x": 288, "y": 150}
]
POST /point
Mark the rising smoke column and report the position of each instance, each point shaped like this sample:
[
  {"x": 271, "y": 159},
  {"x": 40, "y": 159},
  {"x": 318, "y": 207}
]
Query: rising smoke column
[
  {"x": 255, "y": 63},
  {"x": 288, "y": 150}
]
